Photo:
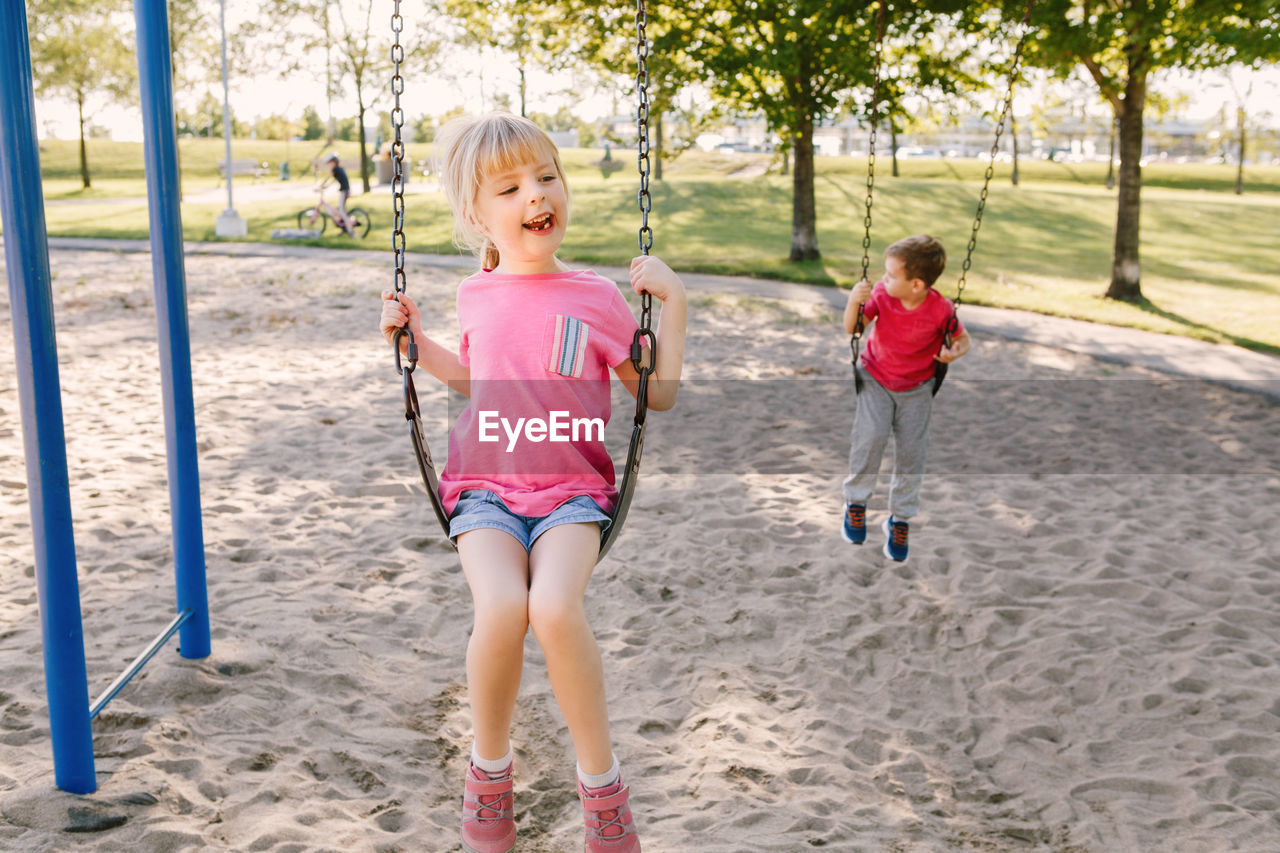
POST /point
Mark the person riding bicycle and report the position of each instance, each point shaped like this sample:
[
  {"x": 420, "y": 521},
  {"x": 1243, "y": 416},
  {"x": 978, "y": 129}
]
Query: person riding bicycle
[{"x": 339, "y": 174}]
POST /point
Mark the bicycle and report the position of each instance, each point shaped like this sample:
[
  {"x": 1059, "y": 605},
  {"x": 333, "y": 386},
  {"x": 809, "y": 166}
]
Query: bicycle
[{"x": 357, "y": 222}]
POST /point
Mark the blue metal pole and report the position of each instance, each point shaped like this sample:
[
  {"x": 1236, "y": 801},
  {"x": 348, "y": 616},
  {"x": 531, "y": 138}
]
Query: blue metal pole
[
  {"x": 26, "y": 253},
  {"x": 161, "y": 155}
]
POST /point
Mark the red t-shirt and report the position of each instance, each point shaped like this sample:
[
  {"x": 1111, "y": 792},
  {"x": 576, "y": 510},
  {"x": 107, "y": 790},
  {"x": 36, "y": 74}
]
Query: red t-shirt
[
  {"x": 540, "y": 349},
  {"x": 900, "y": 354}
]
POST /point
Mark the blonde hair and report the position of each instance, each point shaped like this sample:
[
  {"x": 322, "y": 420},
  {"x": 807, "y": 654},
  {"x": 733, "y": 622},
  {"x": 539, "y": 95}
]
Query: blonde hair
[{"x": 469, "y": 149}]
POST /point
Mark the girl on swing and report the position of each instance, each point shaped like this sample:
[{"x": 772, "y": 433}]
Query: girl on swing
[{"x": 527, "y": 504}]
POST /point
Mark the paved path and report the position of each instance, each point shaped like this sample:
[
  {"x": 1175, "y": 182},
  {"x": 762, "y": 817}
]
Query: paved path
[{"x": 1228, "y": 365}]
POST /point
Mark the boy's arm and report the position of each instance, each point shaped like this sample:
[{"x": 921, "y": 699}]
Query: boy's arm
[
  {"x": 858, "y": 296},
  {"x": 959, "y": 346}
]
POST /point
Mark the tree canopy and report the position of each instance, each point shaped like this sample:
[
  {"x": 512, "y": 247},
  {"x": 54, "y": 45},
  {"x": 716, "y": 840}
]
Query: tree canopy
[
  {"x": 1121, "y": 43},
  {"x": 80, "y": 51}
]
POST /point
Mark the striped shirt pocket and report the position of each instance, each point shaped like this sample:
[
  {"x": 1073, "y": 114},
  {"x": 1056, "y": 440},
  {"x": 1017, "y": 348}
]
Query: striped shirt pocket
[{"x": 565, "y": 350}]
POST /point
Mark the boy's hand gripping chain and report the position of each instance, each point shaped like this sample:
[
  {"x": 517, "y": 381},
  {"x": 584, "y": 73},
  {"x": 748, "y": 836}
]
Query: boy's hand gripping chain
[{"x": 412, "y": 412}]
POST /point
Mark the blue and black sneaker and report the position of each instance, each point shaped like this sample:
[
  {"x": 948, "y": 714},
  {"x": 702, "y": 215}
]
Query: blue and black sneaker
[
  {"x": 854, "y": 528},
  {"x": 895, "y": 545}
]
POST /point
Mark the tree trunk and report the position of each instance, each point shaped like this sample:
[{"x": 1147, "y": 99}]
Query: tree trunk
[
  {"x": 1013, "y": 137},
  {"x": 1111, "y": 157},
  {"x": 1126, "y": 272},
  {"x": 522, "y": 91},
  {"x": 804, "y": 215},
  {"x": 893, "y": 145},
  {"x": 1240, "y": 158},
  {"x": 84, "y": 152},
  {"x": 364, "y": 154},
  {"x": 332, "y": 128},
  {"x": 786, "y": 160},
  {"x": 657, "y": 146}
]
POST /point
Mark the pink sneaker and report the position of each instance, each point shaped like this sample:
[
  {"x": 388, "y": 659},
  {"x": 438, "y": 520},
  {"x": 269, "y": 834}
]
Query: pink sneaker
[
  {"x": 607, "y": 814},
  {"x": 488, "y": 813}
]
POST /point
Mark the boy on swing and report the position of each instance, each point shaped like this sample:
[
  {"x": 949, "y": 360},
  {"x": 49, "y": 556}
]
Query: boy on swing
[{"x": 897, "y": 371}]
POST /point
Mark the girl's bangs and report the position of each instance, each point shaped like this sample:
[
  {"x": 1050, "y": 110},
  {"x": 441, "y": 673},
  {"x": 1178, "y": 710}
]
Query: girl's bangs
[{"x": 504, "y": 146}]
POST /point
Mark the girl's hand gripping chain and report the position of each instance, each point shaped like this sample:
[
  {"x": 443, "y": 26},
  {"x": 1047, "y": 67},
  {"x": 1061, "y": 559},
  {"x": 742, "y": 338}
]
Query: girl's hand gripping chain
[
  {"x": 652, "y": 274},
  {"x": 649, "y": 273},
  {"x": 398, "y": 312}
]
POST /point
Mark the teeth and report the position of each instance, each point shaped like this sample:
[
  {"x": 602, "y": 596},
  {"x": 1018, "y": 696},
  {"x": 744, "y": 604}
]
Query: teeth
[{"x": 539, "y": 223}]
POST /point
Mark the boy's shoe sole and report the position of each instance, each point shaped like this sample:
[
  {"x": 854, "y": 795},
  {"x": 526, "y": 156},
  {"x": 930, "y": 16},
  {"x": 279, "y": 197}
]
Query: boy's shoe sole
[{"x": 888, "y": 534}]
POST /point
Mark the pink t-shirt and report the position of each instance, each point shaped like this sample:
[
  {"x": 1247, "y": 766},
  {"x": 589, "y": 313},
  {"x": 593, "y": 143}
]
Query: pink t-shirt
[
  {"x": 901, "y": 352},
  {"x": 540, "y": 349}
]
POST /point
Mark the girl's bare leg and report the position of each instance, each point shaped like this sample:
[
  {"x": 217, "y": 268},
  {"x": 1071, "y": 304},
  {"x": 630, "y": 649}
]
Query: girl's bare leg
[
  {"x": 560, "y": 565},
  {"x": 497, "y": 570}
]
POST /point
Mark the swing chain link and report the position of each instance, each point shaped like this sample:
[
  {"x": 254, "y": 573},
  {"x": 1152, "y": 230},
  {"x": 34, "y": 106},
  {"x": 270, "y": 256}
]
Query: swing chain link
[
  {"x": 871, "y": 141},
  {"x": 645, "y": 235},
  {"x": 871, "y": 165},
  {"x": 1005, "y": 110},
  {"x": 642, "y": 125},
  {"x": 397, "y": 185}
]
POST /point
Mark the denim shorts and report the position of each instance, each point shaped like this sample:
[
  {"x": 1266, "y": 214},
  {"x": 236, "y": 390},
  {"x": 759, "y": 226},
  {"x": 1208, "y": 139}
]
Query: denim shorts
[{"x": 479, "y": 508}]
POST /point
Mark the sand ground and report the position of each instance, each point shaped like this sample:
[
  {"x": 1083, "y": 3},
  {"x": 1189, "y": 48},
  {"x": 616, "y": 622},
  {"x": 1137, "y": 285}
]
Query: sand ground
[{"x": 1080, "y": 655}]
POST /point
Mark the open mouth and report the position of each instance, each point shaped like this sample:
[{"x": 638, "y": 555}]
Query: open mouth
[{"x": 540, "y": 223}]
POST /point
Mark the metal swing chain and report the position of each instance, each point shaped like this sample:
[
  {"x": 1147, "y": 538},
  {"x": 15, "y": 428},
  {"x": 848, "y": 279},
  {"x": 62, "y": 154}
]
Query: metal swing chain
[
  {"x": 871, "y": 141},
  {"x": 991, "y": 165},
  {"x": 397, "y": 184},
  {"x": 645, "y": 235},
  {"x": 871, "y": 170}
]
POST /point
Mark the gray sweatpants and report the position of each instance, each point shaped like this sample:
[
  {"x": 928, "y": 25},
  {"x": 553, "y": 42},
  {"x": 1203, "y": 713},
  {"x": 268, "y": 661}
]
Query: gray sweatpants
[{"x": 880, "y": 412}]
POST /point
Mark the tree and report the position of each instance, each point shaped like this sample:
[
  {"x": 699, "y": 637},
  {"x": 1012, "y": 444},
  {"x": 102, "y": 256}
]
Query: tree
[
  {"x": 513, "y": 27},
  {"x": 1122, "y": 44},
  {"x": 922, "y": 84},
  {"x": 194, "y": 48},
  {"x": 602, "y": 35},
  {"x": 79, "y": 51},
  {"x": 1240, "y": 83},
  {"x": 274, "y": 127},
  {"x": 206, "y": 120},
  {"x": 563, "y": 119},
  {"x": 364, "y": 58},
  {"x": 312, "y": 124},
  {"x": 362, "y": 49},
  {"x": 794, "y": 61},
  {"x": 800, "y": 61}
]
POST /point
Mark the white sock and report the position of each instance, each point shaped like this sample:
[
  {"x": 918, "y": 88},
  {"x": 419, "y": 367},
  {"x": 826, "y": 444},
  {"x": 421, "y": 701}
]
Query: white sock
[
  {"x": 492, "y": 766},
  {"x": 600, "y": 780}
]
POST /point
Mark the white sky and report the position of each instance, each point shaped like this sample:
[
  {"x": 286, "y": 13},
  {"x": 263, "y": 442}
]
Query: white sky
[{"x": 471, "y": 80}]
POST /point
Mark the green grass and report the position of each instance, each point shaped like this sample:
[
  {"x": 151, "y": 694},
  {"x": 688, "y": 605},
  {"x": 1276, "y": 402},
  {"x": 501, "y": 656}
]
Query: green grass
[
  {"x": 1209, "y": 256},
  {"x": 116, "y": 169}
]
